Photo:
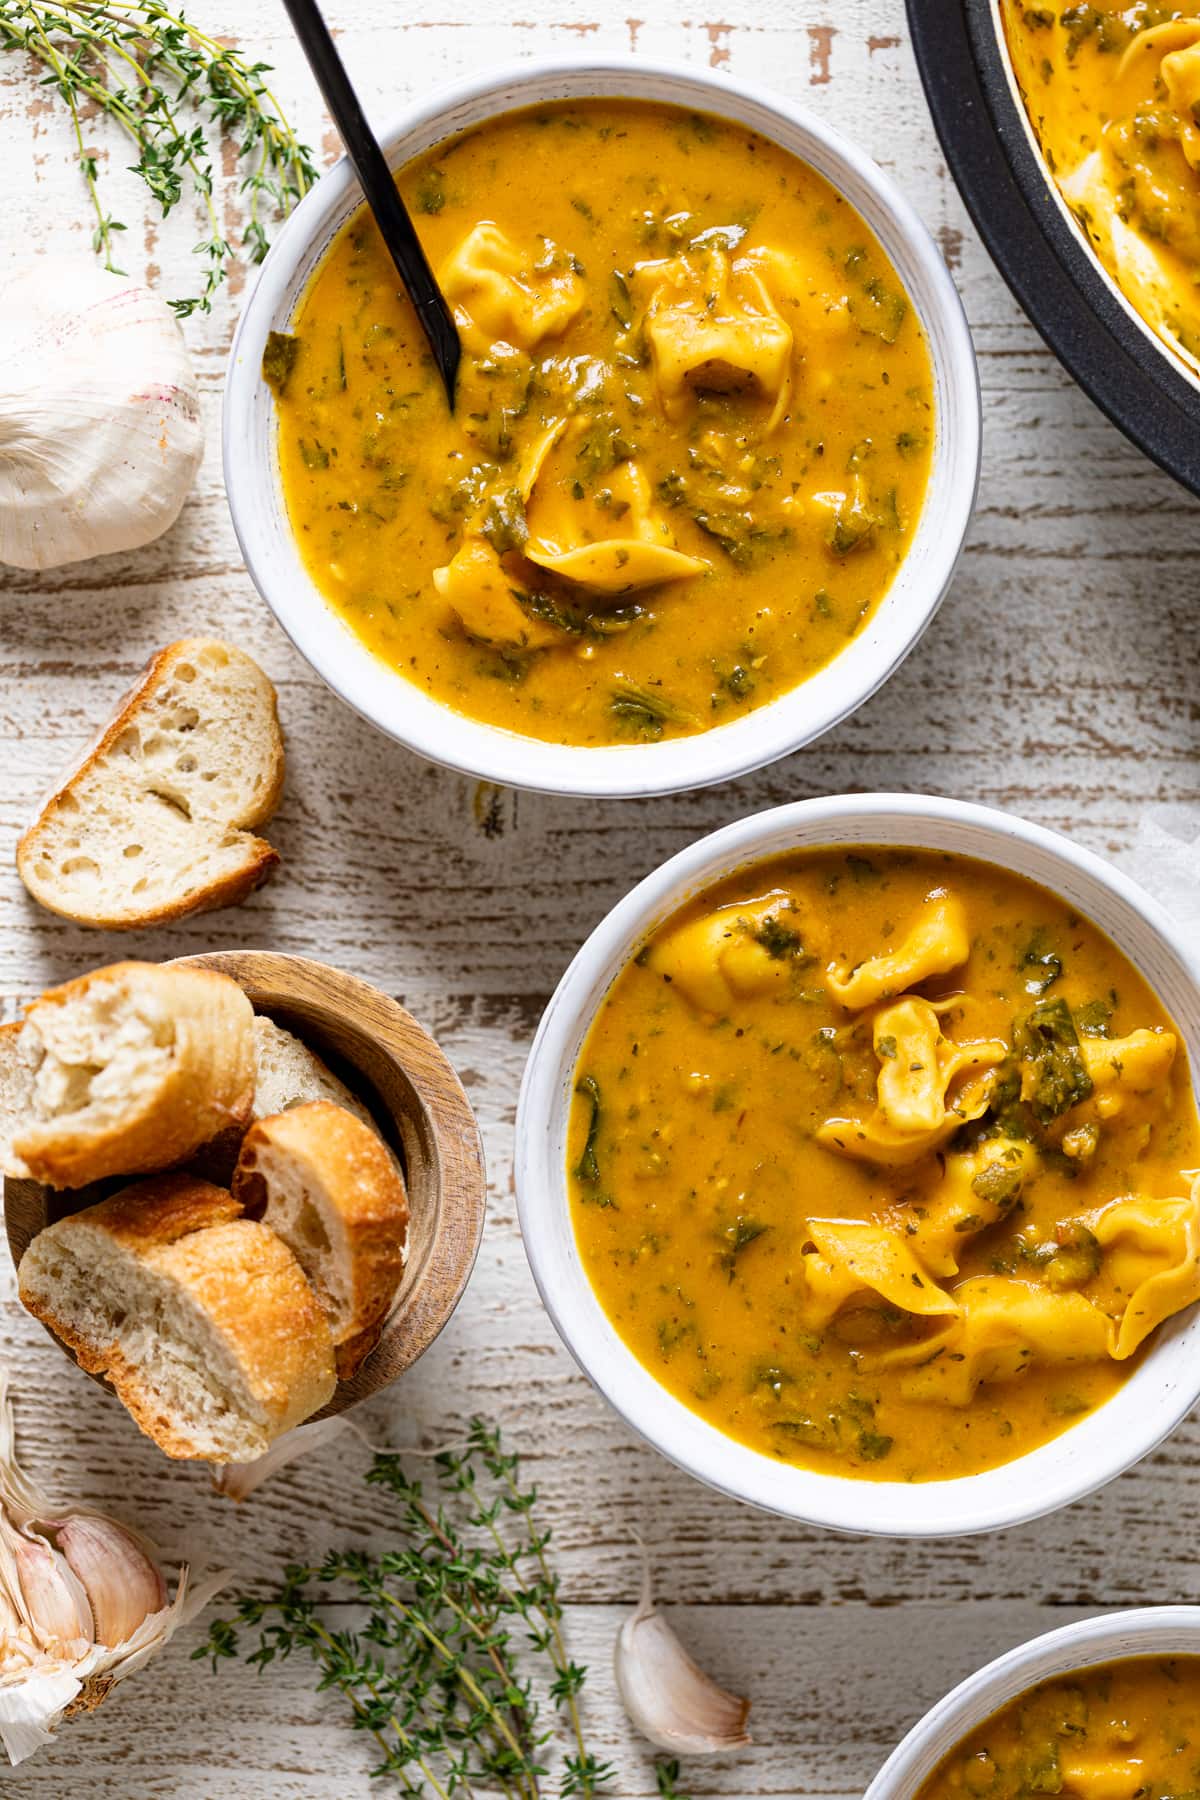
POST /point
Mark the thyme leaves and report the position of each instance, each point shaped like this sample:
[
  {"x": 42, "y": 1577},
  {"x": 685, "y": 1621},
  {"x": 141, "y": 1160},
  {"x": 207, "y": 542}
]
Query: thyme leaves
[
  {"x": 461, "y": 1673},
  {"x": 146, "y": 68}
]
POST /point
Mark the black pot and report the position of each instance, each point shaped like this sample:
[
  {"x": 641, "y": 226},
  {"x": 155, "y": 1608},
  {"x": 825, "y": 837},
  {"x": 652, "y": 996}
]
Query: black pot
[{"x": 1009, "y": 193}]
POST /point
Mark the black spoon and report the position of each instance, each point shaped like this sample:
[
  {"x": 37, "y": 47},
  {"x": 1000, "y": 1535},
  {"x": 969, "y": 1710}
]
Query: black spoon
[{"x": 391, "y": 214}]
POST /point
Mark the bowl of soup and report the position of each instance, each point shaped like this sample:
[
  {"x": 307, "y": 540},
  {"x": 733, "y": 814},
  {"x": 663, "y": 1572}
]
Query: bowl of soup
[
  {"x": 1104, "y": 1709},
  {"x": 714, "y": 448},
  {"x": 856, "y": 1165}
]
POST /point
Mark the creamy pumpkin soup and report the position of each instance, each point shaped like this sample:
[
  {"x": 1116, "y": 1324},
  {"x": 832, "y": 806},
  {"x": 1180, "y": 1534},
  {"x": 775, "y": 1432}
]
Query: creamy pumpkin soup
[
  {"x": 1113, "y": 93},
  {"x": 1119, "y": 1731},
  {"x": 691, "y": 442},
  {"x": 880, "y": 1161}
]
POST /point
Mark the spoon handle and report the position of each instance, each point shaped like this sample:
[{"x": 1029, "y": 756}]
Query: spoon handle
[{"x": 391, "y": 214}]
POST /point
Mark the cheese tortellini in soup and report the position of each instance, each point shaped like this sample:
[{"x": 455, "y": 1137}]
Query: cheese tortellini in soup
[{"x": 885, "y": 1162}]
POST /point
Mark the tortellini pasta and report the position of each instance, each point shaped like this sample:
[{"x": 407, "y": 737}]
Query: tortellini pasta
[
  {"x": 917, "y": 1065},
  {"x": 977, "y": 1189},
  {"x": 851, "y": 1257},
  {"x": 918, "y": 1105},
  {"x": 797, "y": 286},
  {"x": 1123, "y": 1069},
  {"x": 936, "y": 943},
  {"x": 712, "y": 325},
  {"x": 477, "y": 588},
  {"x": 1181, "y": 73},
  {"x": 1003, "y": 1327},
  {"x": 1151, "y": 1262},
  {"x": 505, "y": 297},
  {"x": 640, "y": 552},
  {"x": 733, "y": 954},
  {"x": 1112, "y": 1777}
]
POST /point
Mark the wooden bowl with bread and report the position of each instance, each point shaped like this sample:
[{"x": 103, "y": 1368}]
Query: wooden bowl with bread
[{"x": 326, "y": 1047}]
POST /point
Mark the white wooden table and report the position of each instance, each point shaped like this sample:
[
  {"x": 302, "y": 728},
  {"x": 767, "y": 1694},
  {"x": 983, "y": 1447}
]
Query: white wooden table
[{"x": 1061, "y": 679}]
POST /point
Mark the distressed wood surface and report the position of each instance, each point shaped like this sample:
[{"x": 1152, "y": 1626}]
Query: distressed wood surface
[{"x": 1060, "y": 680}]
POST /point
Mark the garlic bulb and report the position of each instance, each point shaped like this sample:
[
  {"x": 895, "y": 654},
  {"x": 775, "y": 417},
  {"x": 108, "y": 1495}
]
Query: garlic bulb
[
  {"x": 100, "y": 433},
  {"x": 668, "y": 1697},
  {"x": 82, "y": 1604}
]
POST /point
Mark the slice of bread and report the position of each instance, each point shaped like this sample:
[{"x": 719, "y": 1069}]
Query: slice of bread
[
  {"x": 131, "y": 1069},
  {"x": 202, "y": 1320},
  {"x": 158, "y": 819},
  {"x": 289, "y": 1074},
  {"x": 329, "y": 1187},
  {"x": 16, "y": 1097}
]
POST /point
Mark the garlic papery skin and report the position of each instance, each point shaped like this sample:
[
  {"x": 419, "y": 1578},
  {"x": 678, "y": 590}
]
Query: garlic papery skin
[
  {"x": 237, "y": 1481},
  {"x": 667, "y": 1695},
  {"x": 123, "y": 1585},
  {"x": 100, "y": 429},
  {"x": 74, "y": 1592}
]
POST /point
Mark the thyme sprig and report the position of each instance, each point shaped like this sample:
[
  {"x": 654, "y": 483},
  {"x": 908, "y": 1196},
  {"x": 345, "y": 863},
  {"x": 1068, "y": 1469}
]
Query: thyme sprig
[
  {"x": 169, "y": 86},
  {"x": 461, "y": 1672}
]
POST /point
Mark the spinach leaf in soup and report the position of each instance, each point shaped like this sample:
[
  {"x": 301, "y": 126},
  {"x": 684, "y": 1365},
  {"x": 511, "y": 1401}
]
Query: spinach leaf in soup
[
  {"x": 1047, "y": 1046},
  {"x": 279, "y": 360}
]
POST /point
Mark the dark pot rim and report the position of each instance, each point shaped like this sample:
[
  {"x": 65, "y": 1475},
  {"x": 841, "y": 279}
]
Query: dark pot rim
[{"x": 1058, "y": 282}]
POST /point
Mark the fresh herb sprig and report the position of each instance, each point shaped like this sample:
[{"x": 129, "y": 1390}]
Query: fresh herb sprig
[
  {"x": 462, "y": 1646},
  {"x": 169, "y": 86}
]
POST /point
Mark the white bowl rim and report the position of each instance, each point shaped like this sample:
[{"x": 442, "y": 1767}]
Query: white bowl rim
[
  {"x": 433, "y": 730},
  {"x": 1052, "y": 1476},
  {"x": 1109, "y": 1637}
]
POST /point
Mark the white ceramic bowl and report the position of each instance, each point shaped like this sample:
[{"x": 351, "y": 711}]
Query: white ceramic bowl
[
  {"x": 1145, "y": 1631},
  {"x": 1149, "y": 1404},
  {"x": 401, "y": 709}
]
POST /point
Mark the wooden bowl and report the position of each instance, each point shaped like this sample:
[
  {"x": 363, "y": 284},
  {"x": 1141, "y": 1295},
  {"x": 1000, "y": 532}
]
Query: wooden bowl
[{"x": 397, "y": 1070}]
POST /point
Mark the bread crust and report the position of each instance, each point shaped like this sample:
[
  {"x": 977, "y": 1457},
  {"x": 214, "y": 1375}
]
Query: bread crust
[
  {"x": 229, "y": 890},
  {"x": 205, "y": 1085},
  {"x": 243, "y": 1278},
  {"x": 353, "y": 1180}
]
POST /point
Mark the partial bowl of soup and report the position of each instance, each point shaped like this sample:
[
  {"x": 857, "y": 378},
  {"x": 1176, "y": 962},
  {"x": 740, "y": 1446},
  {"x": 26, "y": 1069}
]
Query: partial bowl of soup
[
  {"x": 857, "y": 1165},
  {"x": 713, "y": 454},
  {"x": 1070, "y": 131},
  {"x": 1105, "y": 1709}
]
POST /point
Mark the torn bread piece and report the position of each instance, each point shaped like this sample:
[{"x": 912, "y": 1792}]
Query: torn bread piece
[
  {"x": 130, "y": 1069},
  {"x": 16, "y": 1098},
  {"x": 158, "y": 819},
  {"x": 330, "y": 1188},
  {"x": 202, "y": 1320}
]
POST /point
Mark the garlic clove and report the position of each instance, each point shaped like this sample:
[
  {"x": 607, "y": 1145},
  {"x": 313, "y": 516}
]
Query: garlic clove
[
  {"x": 123, "y": 1586},
  {"x": 666, "y": 1694},
  {"x": 55, "y": 1600}
]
